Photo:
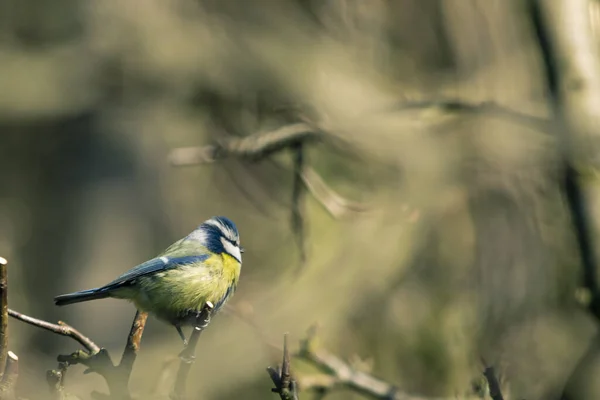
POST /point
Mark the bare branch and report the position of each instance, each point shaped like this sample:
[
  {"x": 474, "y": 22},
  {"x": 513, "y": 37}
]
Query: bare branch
[
  {"x": 61, "y": 328},
  {"x": 493, "y": 384},
  {"x": 3, "y": 312},
  {"x": 188, "y": 355},
  {"x": 297, "y": 200},
  {"x": 335, "y": 204},
  {"x": 9, "y": 378},
  {"x": 285, "y": 385},
  {"x": 570, "y": 59},
  {"x": 133, "y": 344},
  {"x": 340, "y": 374},
  {"x": 116, "y": 376},
  {"x": 488, "y": 109},
  {"x": 254, "y": 146}
]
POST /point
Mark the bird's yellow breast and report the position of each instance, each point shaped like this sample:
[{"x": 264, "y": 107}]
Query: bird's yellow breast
[{"x": 188, "y": 287}]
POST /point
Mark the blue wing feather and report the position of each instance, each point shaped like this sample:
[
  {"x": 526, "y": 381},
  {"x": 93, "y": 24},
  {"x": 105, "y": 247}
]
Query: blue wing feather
[{"x": 155, "y": 265}]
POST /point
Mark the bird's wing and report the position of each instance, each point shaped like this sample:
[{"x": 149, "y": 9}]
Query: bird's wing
[{"x": 155, "y": 265}]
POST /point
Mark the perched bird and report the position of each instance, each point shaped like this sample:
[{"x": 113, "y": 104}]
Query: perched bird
[{"x": 202, "y": 267}]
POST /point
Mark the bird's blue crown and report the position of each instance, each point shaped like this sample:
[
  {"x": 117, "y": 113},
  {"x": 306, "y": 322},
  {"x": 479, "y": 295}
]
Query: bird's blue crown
[{"x": 213, "y": 232}]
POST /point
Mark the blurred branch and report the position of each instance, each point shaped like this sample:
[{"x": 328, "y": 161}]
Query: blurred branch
[
  {"x": 9, "y": 378},
  {"x": 61, "y": 328},
  {"x": 335, "y": 204},
  {"x": 338, "y": 373},
  {"x": 570, "y": 59},
  {"x": 561, "y": 44},
  {"x": 56, "y": 382},
  {"x": 297, "y": 218},
  {"x": 285, "y": 385},
  {"x": 487, "y": 108},
  {"x": 261, "y": 145},
  {"x": 493, "y": 384},
  {"x": 3, "y": 312},
  {"x": 255, "y": 146},
  {"x": 188, "y": 355}
]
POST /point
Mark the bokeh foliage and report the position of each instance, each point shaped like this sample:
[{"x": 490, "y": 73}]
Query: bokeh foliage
[{"x": 465, "y": 249}]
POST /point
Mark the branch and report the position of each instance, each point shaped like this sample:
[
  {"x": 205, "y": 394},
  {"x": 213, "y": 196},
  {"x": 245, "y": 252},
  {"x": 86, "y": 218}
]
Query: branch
[
  {"x": 570, "y": 59},
  {"x": 188, "y": 355},
  {"x": 252, "y": 147},
  {"x": 95, "y": 358},
  {"x": 492, "y": 380},
  {"x": 9, "y": 378},
  {"x": 285, "y": 385},
  {"x": 61, "y": 329},
  {"x": 338, "y": 373},
  {"x": 297, "y": 200},
  {"x": 487, "y": 108},
  {"x": 56, "y": 382},
  {"x": 133, "y": 344},
  {"x": 3, "y": 312},
  {"x": 116, "y": 376},
  {"x": 335, "y": 204}
]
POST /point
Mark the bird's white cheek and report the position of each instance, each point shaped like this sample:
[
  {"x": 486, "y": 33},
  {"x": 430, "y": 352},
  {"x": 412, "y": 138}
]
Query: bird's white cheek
[{"x": 233, "y": 250}]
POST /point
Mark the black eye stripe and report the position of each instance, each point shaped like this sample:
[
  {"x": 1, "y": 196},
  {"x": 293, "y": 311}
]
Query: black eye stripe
[{"x": 230, "y": 241}]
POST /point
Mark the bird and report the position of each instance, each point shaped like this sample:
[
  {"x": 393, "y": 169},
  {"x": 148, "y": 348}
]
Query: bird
[{"x": 203, "y": 267}]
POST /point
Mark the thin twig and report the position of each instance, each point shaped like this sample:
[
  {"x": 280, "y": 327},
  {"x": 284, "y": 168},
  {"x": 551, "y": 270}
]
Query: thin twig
[
  {"x": 3, "y": 313},
  {"x": 488, "y": 108},
  {"x": 61, "y": 328},
  {"x": 285, "y": 384},
  {"x": 188, "y": 355},
  {"x": 297, "y": 200},
  {"x": 334, "y": 203}
]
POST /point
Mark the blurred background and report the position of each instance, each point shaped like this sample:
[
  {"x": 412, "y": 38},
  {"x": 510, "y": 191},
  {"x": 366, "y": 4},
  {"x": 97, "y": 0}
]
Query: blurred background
[{"x": 461, "y": 246}]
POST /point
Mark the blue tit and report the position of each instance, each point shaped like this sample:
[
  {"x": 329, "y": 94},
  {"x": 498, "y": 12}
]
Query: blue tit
[{"x": 202, "y": 267}]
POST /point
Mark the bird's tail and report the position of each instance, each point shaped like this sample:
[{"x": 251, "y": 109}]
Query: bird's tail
[{"x": 84, "y": 295}]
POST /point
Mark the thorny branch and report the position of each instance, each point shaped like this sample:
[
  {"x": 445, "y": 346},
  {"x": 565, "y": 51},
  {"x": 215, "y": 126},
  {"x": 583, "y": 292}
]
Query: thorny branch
[
  {"x": 95, "y": 358},
  {"x": 116, "y": 376},
  {"x": 285, "y": 384},
  {"x": 188, "y": 355},
  {"x": 56, "y": 381}
]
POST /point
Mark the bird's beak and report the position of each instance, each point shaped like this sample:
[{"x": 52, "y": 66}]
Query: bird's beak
[{"x": 242, "y": 249}]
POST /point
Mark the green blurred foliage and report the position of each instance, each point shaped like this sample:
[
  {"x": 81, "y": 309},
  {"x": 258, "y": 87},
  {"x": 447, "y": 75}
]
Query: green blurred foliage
[{"x": 465, "y": 250}]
